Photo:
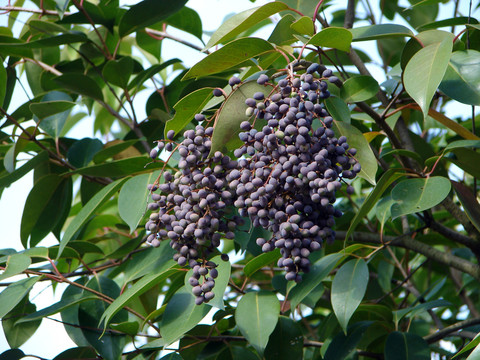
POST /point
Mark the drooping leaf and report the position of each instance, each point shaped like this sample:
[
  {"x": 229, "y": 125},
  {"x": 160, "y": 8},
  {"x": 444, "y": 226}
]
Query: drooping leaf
[
  {"x": 14, "y": 293},
  {"x": 378, "y": 31},
  {"x": 82, "y": 151},
  {"x": 452, "y": 125},
  {"x": 147, "y": 13},
  {"x": 406, "y": 346},
  {"x": 8, "y": 179},
  {"x": 416, "y": 195},
  {"x": 359, "y": 88},
  {"x": 256, "y": 317},
  {"x": 343, "y": 345},
  {"x": 186, "y": 108},
  {"x": 333, "y": 37},
  {"x": 187, "y": 20},
  {"x": 286, "y": 341},
  {"x": 364, "y": 155},
  {"x": 18, "y": 333},
  {"x": 242, "y": 21},
  {"x": 425, "y": 71},
  {"x": 233, "y": 53},
  {"x": 52, "y": 112},
  {"x": 338, "y": 109},
  {"x": 231, "y": 114},
  {"x": 88, "y": 210},
  {"x": 181, "y": 314},
  {"x": 3, "y": 84},
  {"x": 16, "y": 263},
  {"x": 383, "y": 183},
  {"x": 133, "y": 199},
  {"x": 462, "y": 78},
  {"x": 348, "y": 288}
]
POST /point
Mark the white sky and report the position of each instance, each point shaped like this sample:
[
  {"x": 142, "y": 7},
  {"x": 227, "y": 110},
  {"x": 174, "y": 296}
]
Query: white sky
[{"x": 50, "y": 339}]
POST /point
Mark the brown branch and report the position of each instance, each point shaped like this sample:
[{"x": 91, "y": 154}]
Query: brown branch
[
  {"x": 439, "y": 335},
  {"x": 34, "y": 11},
  {"x": 163, "y": 34}
]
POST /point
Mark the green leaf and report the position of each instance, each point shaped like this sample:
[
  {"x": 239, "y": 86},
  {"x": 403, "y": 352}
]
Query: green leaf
[
  {"x": 14, "y": 293},
  {"x": 303, "y": 26},
  {"x": 221, "y": 282},
  {"x": 318, "y": 272},
  {"x": 18, "y": 333},
  {"x": 344, "y": 345},
  {"x": 466, "y": 159},
  {"x": 338, "y": 109},
  {"x": 282, "y": 34},
  {"x": 13, "y": 354},
  {"x": 79, "y": 353},
  {"x": 425, "y": 71},
  {"x": 348, "y": 288},
  {"x": 49, "y": 108},
  {"x": 133, "y": 199},
  {"x": 462, "y": 78},
  {"x": 112, "y": 148},
  {"x": 406, "y": 346},
  {"x": 88, "y": 210},
  {"x": 137, "y": 289},
  {"x": 186, "y": 108},
  {"x": 141, "y": 77},
  {"x": 16, "y": 263},
  {"x": 472, "y": 344},
  {"x": 82, "y": 151},
  {"x": 233, "y": 53},
  {"x": 80, "y": 84},
  {"x": 359, "y": 88},
  {"x": 187, "y": 20},
  {"x": 286, "y": 341},
  {"x": 231, "y": 114},
  {"x": 414, "y": 310},
  {"x": 333, "y": 37},
  {"x": 37, "y": 202},
  {"x": 181, "y": 315},
  {"x": 63, "y": 304},
  {"x": 378, "y": 31},
  {"x": 3, "y": 84},
  {"x": 416, "y": 195},
  {"x": 383, "y": 183},
  {"x": 240, "y": 22},
  {"x": 118, "y": 72},
  {"x": 256, "y": 317},
  {"x": 146, "y": 13},
  {"x": 260, "y": 261},
  {"x": 52, "y": 113},
  {"x": 365, "y": 155},
  {"x": 118, "y": 168},
  {"x": 128, "y": 327},
  {"x": 469, "y": 203}
]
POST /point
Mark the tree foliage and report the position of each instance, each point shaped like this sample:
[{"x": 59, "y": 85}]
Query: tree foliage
[{"x": 402, "y": 273}]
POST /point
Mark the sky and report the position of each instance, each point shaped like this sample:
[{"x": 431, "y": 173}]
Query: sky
[{"x": 50, "y": 339}]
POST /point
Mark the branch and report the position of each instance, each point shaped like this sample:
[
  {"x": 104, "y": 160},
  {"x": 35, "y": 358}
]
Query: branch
[
  {"x": 429, "y": 252},
  {"x": 455, "y": 236},
  {"x": 439, "y": 335},
  {"x": 163, "y": 34},
  {"x": 34, "y": 11}
]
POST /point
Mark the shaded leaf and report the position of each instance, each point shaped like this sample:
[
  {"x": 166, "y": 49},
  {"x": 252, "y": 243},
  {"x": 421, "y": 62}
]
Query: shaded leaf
[
  {"x": 118, "y": 72},
  {"x": 256, "y": 317},
  {"x": 333, "y": 37},
  {"x": 286, "y": 341},
  {"x": 469, "y": 203},
  {"x": 18, "y": 333},
  {"x": 343, "y": 345},
  {"x": 82, "y": 151},
  {"x": 80, "y": 84},
  {"x": 233, "y": 53},
  {"x": 348, "y": 288},
  {"x": 359, "y": 88},
  {"x": 416, "y": 195},
  {"x": 406, "y": 346},
  {"x": 242, "y": 21},
  {"x": 52, "y": 113},
  {"x": 78, "y": 353},
  {"x": 3, "y": 84}
]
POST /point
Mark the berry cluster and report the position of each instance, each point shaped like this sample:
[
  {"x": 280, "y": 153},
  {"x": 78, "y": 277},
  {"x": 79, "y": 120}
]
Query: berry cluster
[
  {"x": 289, "y": 170},
  {"x": 191, "y": 211}
]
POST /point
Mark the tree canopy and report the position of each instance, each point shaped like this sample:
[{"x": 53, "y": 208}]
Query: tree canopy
[{"x": 299, "y": 203}]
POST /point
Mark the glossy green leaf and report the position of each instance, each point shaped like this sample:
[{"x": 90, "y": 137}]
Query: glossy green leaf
[
  {"x": 37, "y": 202},
  {"x": 242, "y": 21},
  {"x": 14, "y": 293},
  {"x": 118, "y": 72},
  {"x": 304, "y": 26},
  {"x": 181, "y": 314},
  {"x": 233, "y": 53},
  {"x": 462, "y": 78},
  {"x": 338, "y": 109},
  {"x": 256, "y": 317},
  {"x": 333, "y": 37},
  {"x": 378, "y": 31},
  {"x": 80, "y": 84},
  {"x": 63, "y": 304},
  {"x": 187, "y": 20},
  {"x": 406, "y": 346},
  {"x": 129, "y": 327},
  {"x": 286, "y": 341},
  {"x": 88, "y": 210},
  {"x": 425, "y": 71},
  {"x": 133, "y": 199},
  {"x": 16, "y": 263},
  {"x": 469, "y": 203},
  {"x": 221, "y": 282},
  {"x": 261, "y": 261},
  {"x": 109, "y": 345},
  {"x": 146, "y": 13},
  {"x": 82, "y": 151},
  {"x": 364, "y": 155},
  {"x": 383, "y": 183},
  {"x": 137, "y": 289},
  {"x": 348, "y": 288},
  {"x": 416, "y": 195},
  {"x": 231, "y": 114},
  {"x": 186, "y": 108},
  {"x": 318, "y": 272},
  {"x": 18, "y": 333},
  {"x": 359, "y": 88}
]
